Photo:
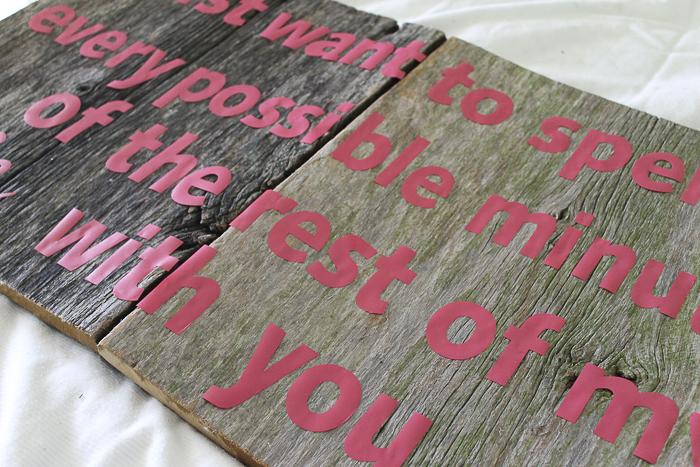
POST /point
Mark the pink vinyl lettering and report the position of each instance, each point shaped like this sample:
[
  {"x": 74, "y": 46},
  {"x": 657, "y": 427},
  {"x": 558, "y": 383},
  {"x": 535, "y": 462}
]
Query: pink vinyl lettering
[
  {"x": 297, "y": 403},
  {"x": 358, "y": 443},
  {"x": 257, "y": 376}
]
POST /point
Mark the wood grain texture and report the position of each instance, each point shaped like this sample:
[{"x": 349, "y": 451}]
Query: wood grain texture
[
  {"x": 476, "y": 421},
  {"x": 51, "y": 178}
]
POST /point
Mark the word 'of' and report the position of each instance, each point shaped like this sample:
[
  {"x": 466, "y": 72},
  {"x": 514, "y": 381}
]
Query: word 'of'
[{"x": 524, "y": 339}]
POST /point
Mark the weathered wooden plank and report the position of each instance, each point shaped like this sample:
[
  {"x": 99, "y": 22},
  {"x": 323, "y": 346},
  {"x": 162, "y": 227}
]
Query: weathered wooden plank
[
  {"x": 475, "y": 420},
  {"x": 52, "y": 177},
  {"x": 35, "y": 66}
]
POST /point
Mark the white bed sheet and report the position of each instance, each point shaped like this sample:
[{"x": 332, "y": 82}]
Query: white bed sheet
[{"x": 61, "y": 405}]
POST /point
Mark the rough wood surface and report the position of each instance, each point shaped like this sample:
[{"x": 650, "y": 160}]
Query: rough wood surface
[
  {"x": 476, "y": 421},
  {"x": 51, "y": 177}
]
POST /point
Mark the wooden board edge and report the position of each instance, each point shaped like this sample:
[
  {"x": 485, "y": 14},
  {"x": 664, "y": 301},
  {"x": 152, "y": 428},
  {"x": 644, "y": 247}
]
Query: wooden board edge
[
  {"x": 49, "y": 318},
  {"x": 173, "y": 404}
]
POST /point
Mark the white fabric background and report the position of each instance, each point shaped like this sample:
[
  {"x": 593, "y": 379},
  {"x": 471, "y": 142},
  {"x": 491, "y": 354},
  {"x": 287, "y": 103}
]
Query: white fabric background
[{"x": 60, "y": 405}]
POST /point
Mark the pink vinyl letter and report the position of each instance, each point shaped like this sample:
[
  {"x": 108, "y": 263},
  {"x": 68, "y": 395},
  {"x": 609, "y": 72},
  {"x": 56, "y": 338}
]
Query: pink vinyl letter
[
  {"x": 206, "y": 291},
  {"x": 92, "y": 116},
  {"x": 159, "y": 257},
  {"x": 297, "y": 403},
  {"x": 646, "y": 165},
  {"x": 339, "y": 253},
  {"x": 358, "y": 444},
  {"x": 85, "y": 236},
  {"x": 522, "y": 340},
  {"x": 268, "y": 201},
  {"x": 291, "y": 225},
  {"x": 269, "y": 112},
  {"x": 695, "y": 438},
  {"x": 327, "y": 123},
  {"x": 401, "y": 162},
  {"x": 518, "y": 215},
  {"x": 691, "y": 194},
  {"x": 123, "y": 253},
  {"x": 364, "y": 134},
  {"x": 419, "y": 178},
  {"x": 502, "y": 112},
  {"x": 391, "y": 268},
  {"x": 148, "y": 71},
  {"x": 482, "y": 336},
  {"x": 182, "y": 89},
  {"x": 583, "y": 155},
  {"x": 321, "y": 48},
  {"x": 452, "y": 77},
  {"x": 71, "y": 106},
  {"x": 181, "y": 192},
  {"x": 119, "y": 161},
  {"x": 297, "y": 31},
  {"x": 625, "y": 257},
  {"x": 217, "y": 6},
  {"x": 695, "y": 321},
  {"x": 562, "y": 249},
  {"x": 251, "y": 96},
  {"x": 560, "y": 141},
  {"x": 110, "y": 40},
  {"x": 626, "y": 396},
  {"x": 257, "y": 376},
  {"x": 298, "y": 120},
  {"x": 5, "y": 165},
  {"x": 50, "y": 15},
  {"x": 382, "y": 50},
  {"x": 235, "y": 16},
  {"x": 402, "y": 55},
  {"x": 137, "y": 48},
  {"x": 170, "y": 155},
  {"x": 75, "y": 32},
  {"x": 669, "y": 305}
]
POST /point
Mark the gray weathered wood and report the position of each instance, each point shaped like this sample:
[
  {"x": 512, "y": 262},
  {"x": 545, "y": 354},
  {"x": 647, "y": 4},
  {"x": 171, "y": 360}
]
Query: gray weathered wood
[
  {"x": 476, "y": 421},
  {"x": 34, "y": 67},
  {"x": 51, "y": 178}
]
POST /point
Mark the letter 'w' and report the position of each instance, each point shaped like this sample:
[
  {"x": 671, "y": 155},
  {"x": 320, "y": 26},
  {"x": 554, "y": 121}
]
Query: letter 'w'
[
  {"x": 85, "y": 236},
  {"x": 298, "y": 35}
]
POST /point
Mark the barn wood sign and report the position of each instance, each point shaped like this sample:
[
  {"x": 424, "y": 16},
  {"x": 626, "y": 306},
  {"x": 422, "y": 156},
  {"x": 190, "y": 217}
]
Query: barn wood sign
[{"x": 323, "y": 239}]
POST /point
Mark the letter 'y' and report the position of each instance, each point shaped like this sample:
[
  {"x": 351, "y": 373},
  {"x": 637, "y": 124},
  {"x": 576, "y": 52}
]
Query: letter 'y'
[{"x": 257, "y": 377}]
